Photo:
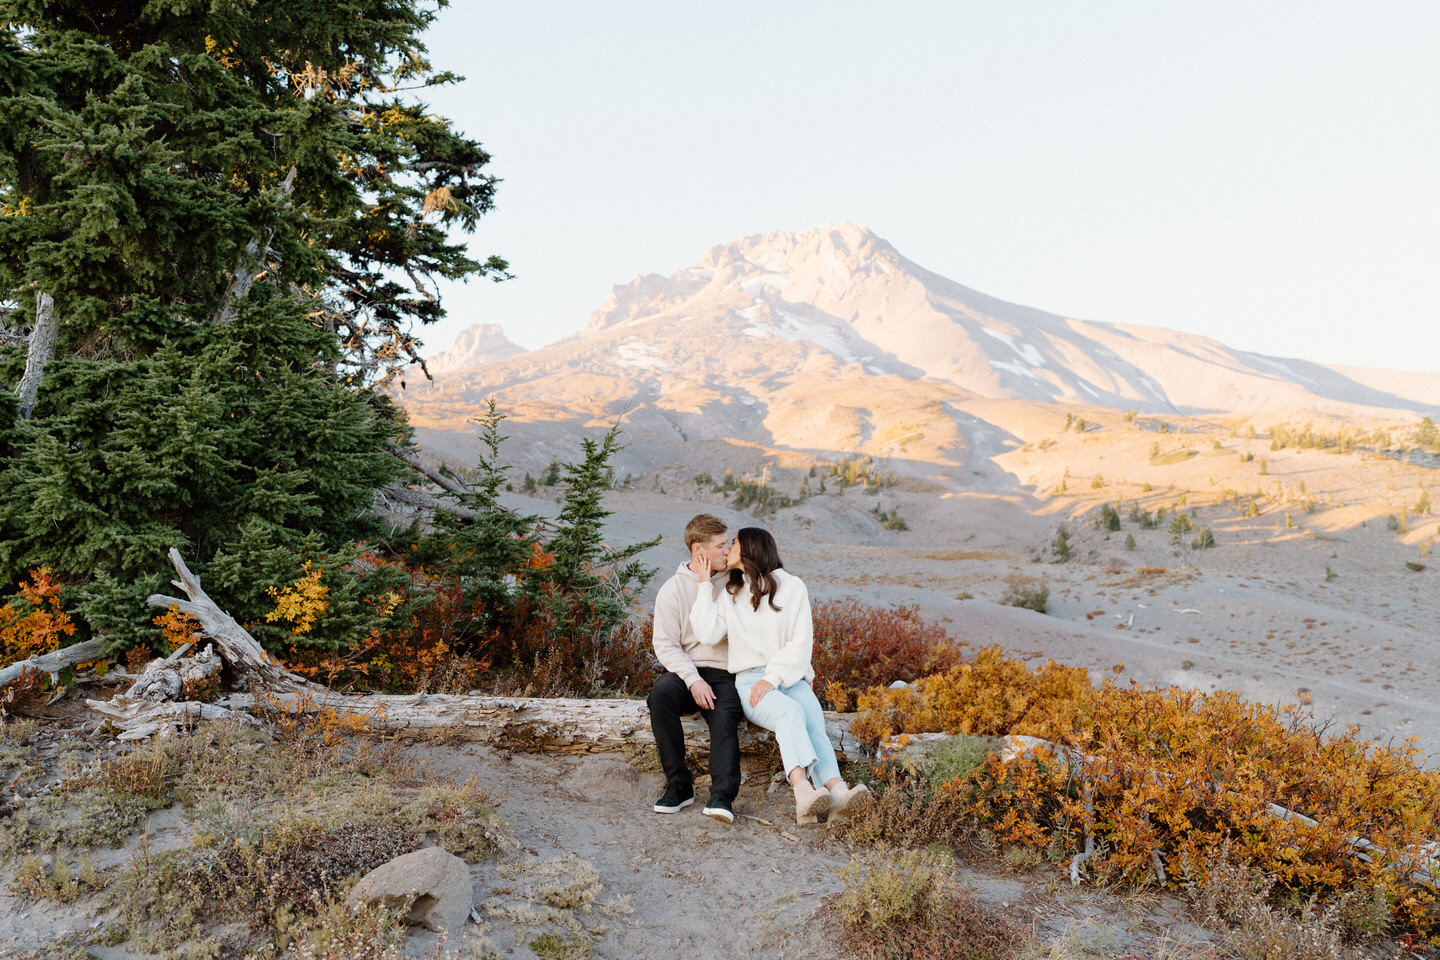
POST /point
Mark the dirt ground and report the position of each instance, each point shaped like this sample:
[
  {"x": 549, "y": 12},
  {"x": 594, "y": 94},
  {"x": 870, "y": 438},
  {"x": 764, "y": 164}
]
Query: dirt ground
[{"x": 642, "y": 884}]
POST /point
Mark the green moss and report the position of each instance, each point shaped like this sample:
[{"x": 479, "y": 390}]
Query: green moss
[
  {"x": 567, "y": 946},
  {"x": 960, "y": 756}
]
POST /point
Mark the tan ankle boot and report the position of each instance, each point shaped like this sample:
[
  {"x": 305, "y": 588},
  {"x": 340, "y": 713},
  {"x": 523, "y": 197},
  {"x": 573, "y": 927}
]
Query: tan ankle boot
[
  {"x": 847, "y": 801},
  {"x": 810, "y": 803}
]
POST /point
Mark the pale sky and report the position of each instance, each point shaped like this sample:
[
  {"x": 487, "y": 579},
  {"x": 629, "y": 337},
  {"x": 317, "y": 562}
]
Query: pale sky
[{"x": 1264, "y": 173}]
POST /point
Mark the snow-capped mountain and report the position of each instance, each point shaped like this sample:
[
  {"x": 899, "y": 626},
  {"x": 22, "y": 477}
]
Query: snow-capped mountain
[{"x": 830, "y": 340}]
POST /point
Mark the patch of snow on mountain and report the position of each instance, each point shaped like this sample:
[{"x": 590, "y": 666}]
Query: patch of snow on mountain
[
  {"x": 788, "y": 326},
  {"x": 1275, "y": 365},
  {"x": 1014, "y": 368},
  {"x": 878, "y": 371},
  {"x": 1025, "y": 351},
  {"x": 1088, "y": 389},
  {"x": 635, "y": 353}
]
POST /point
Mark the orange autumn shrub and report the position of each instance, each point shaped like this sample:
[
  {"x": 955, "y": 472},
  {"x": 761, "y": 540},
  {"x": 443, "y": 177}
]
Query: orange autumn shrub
[
  {"x": 1182, "y": 777},
  {"x": 988, "y": 695},
  {"x": 1181, "y": 772},
  {"x": 446, "y": 638},
  {"x": 434, "y": 646},
  {"x": 1165, "y": 782},
  {"x": 858, "y": 647},
  {"x": 33, "y": 622},
  {"x": 177, "y": 628},
  {"x": 569, "y": 647}
]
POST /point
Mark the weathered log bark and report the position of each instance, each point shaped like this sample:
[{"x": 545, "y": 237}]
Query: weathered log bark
[
  {"x": 137, "y": 720},
  {"x": 538, "y": 723},
  {"x": 54, "y": 661},
  {"x": 241, "y": 651},
  {"x": 43, "y": 338}
]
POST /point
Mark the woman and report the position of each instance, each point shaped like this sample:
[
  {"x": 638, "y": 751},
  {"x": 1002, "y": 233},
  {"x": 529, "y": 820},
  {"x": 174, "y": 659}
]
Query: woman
[{"x": 766, "y": 613}]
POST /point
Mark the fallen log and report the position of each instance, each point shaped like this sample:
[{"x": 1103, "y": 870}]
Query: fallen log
[
  {"x": 55, "y": 661},
  {"x": 251, "y": 664},
  {"x": 552, "y": 725}
]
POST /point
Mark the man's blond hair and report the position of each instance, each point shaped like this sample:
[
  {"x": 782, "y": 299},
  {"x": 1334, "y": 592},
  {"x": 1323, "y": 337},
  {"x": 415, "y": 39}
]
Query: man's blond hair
[{"x": 701, "y": 528}]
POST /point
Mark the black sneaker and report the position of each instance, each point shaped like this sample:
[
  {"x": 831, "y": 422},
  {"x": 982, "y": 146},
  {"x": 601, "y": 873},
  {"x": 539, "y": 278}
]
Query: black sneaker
[
  {"x": 675, "y": 800},
  {"x": 720, "y": 808}
]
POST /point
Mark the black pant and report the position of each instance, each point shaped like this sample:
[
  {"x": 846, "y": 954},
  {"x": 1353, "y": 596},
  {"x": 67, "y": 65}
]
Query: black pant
[{"x": 670, "y": 700}]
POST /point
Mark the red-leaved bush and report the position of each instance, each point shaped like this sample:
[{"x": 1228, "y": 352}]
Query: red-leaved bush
[{"x": 858, "y": 647}]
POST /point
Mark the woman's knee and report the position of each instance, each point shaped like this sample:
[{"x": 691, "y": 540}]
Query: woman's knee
[{"x": 781, "y": 709}]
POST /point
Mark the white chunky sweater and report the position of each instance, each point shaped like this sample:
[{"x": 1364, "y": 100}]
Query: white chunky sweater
[{"x": 780, "y": 641}]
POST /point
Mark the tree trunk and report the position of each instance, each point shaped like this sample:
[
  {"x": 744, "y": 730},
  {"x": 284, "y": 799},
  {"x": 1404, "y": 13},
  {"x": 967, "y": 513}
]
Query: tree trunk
[
  {"x": 245, "y": 272},
  {"x": 43, "y": 338}
]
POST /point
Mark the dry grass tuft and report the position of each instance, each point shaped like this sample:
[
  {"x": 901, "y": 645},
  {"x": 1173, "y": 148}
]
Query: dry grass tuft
[{"x": 909, "y": 904}]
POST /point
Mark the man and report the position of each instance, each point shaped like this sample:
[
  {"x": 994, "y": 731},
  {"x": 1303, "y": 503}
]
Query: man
[{"x": 697, "y": 677}]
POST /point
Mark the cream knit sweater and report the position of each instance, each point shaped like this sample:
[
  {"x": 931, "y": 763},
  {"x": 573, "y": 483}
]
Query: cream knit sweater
[
  {"x": 780, "y": 641},
  {"x": 676, "y": 645}
]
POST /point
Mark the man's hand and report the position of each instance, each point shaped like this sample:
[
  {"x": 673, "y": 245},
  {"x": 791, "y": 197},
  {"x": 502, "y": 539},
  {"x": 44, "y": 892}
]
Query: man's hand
[
  {"x": 700, "y": 566},
  {"x": 757, "y": 692},
  {"x": 704, "y": 696}
]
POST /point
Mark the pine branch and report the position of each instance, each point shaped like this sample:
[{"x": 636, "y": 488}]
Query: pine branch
[{"x": 447, "y": 483}]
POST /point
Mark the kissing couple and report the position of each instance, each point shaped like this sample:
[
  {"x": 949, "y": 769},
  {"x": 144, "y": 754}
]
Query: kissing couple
[{"x": 733, "y": 630}]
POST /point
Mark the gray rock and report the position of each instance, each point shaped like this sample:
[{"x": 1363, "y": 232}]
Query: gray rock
[{"x": 439, "y": 880}]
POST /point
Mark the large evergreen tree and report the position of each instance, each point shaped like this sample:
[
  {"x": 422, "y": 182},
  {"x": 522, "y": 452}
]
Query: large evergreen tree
[{"x": 223, "y": 218}]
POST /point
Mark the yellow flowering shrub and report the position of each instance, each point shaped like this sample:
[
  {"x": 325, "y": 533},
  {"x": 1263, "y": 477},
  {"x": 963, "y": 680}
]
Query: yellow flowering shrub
[{"x": 302, "y": 603}]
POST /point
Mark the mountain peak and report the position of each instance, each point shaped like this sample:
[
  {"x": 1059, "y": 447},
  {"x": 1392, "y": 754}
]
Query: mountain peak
[
  {"x": 477, "y": 344},
  {"x": 782, "y": 251},
  {"x": 821, "y": 262}
]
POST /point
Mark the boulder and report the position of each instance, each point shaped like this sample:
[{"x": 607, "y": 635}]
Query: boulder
[{"x": 438, "y": 880}]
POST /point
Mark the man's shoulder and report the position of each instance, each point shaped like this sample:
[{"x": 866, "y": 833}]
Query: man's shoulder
[
  {"x": 681, "y": 575},
  {"x": 680, "y": 581}
]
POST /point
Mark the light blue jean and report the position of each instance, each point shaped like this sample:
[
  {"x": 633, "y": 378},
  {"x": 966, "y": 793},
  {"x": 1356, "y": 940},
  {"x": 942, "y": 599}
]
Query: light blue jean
[{"x": 798, "y": 722}]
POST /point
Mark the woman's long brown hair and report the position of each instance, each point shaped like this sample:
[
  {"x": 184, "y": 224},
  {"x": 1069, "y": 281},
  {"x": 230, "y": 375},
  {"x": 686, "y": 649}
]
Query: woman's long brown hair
[{"x": 759, "y": 559}]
